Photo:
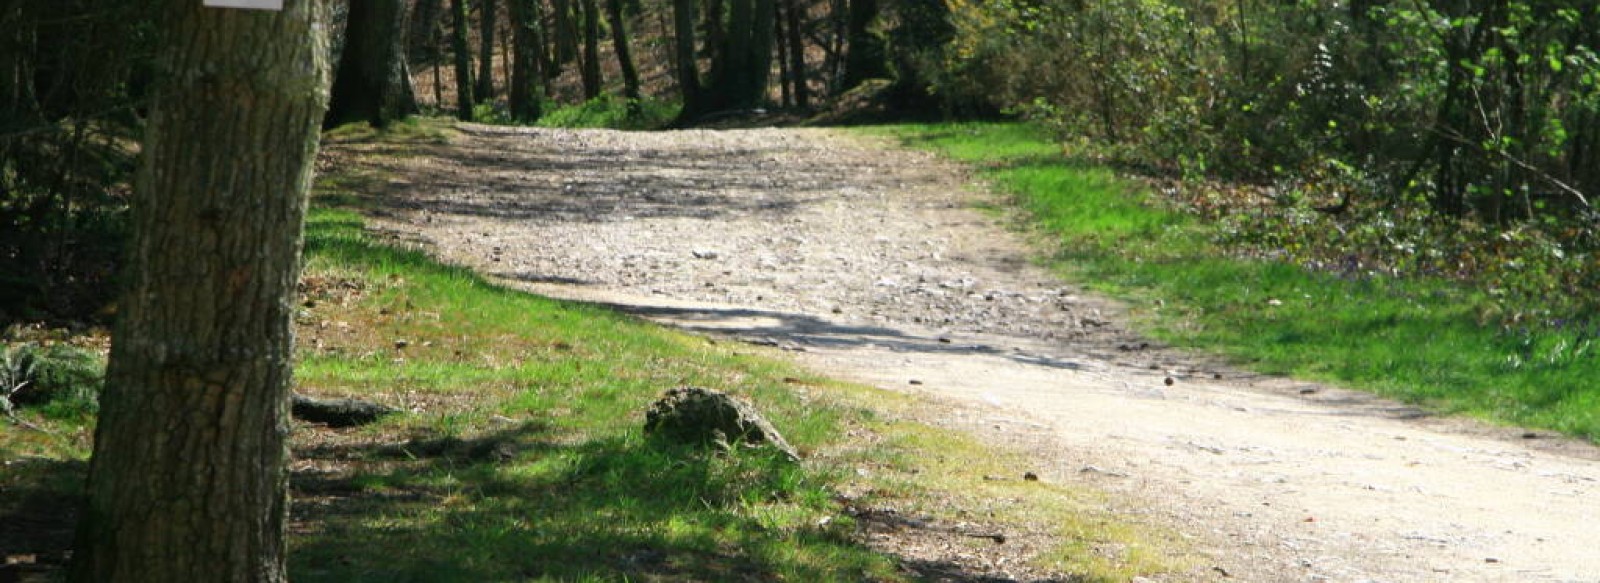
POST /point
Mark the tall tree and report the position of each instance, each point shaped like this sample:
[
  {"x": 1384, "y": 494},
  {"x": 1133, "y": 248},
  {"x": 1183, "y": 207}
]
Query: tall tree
[
  {"x": 487, "y": 22},
  {"x": 683, "y": 17},
  {"x": 527, "y": 58},
  {"x": 458, "y": 44},
  {"x": 374, "y": 81},
  {"x": 794, "y": 17},
  {"x": 566, "y": 33},
  {"x": 592, "y": 83},
  {"x": 619, "y": 42},
  {"x": 188, "y": 479}
]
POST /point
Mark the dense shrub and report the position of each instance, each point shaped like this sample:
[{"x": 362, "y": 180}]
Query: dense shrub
[{"x": 1473, "y": 129}]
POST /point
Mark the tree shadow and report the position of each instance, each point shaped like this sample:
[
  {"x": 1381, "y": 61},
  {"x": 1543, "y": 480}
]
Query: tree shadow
[
  {"x": 561, "y": 176},
  {"x": 39, "y": 504}
]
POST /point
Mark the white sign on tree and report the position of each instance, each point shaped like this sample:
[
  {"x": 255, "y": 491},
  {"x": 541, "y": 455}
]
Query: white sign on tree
[{"x": 247, "y": 4}]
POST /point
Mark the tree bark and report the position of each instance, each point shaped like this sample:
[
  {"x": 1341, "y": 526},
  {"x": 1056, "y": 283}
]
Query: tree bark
[
  {"x": 374, "y": 81},
  {"x": 795, "y": 18},
  {"x": 423, "y": 31},
  {"x": 527, "y": 60},
  {"x": 566, "y": 40},
  {"x": 785, "y": 78},
  {"x": 683, "y": 18},
  {"x": 484, "y": 89},
  {"x": 592, "y": 83},
  {"x": 619, "y": 42},
  {"x": 458, "y": 44},
  {"x": 188, "y": 479}
]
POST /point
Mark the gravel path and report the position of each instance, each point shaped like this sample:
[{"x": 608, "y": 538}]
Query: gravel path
[{"x": 872, "y": 263}]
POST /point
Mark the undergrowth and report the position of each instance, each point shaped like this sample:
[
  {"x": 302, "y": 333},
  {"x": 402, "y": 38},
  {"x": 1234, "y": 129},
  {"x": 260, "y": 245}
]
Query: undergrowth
[{"x": 1286, "y": 292}]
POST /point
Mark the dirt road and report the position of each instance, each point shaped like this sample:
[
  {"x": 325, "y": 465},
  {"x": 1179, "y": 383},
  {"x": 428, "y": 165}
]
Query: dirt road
[{"x": 871, "y": 263}]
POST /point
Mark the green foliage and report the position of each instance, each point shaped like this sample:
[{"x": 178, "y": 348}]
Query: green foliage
[
  {"x": 61, "y": 380},
  {"x": 1483, "y": 111},
  {"x": 1253, "y": 293},
  {"x": 608, "y": 111}
]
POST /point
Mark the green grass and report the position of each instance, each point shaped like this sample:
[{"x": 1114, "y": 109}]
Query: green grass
[
  {"x": 520, "y": 455},
  {"x": 578, "y": 492},
  {"x": 608, "y": 111},
  {"x": 559, "y": 388},
  {"x": 1416, "y": 339}
]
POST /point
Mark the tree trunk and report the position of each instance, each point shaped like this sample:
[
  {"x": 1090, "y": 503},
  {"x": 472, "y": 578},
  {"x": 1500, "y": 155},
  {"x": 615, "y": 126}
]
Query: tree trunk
[
  {"x": 423, "y": 31},
  {"x": 867, "y": 58},
  {"x": 458, "y": 43},
  {"x": 619, "y": 41},
  {"x": 740, "y": 79},
  {"x": 758, "y": 55},
  {"x": 716, "y": 34},
  {"x": 683, "y": 18},
  {"x": 797, "y": 52},
  {"x": 374, "y": 83},
  {"x": 566, "y": 40},
  {"x": 592, "y": 83},
  {"x": 484, "y": 89},
  {"x": 527, "y": 59},
  {"x": 785, "y": 79},
  {"x": 188, "y": 479}
]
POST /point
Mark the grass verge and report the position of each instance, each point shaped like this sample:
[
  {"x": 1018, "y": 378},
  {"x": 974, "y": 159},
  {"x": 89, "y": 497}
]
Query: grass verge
[
  {"x": 520, "y": 455},
  {"x": 1419, "y": 340}
]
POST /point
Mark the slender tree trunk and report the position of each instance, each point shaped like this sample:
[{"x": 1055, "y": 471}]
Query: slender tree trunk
[
  {"x": 796, "y": 16},
  {"x": 683, "y": 18},
  {"x": 566, "y": 40},
  {"x": 592, "y": 83},
  {"x": 374, "y": 83},
  {"x": 527, "y": 59},
  {"x": 458, "y": 43},
  {"x": 505, "y": 49},
  {"x": 716, "y": 34},
  {"x": 188, "y": 479},
  {"x": 758, "y": 55},
  {"x": 839, "y": 17},
  {"x": 619, "y": 41},
  {"x": 483, "y": 91},
  {"x": 785, "y": 79},
  {"x": 438, "y": 76}
]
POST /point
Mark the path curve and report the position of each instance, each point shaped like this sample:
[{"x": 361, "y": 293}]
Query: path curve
[{"x": 873, "y": 263}]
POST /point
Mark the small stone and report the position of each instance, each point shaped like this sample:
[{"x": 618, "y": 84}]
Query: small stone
[{"x": 1169, "y": 381}]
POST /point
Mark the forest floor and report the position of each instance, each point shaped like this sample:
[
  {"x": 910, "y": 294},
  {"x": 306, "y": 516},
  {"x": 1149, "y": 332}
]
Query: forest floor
[{"x": 872, "y": 263}]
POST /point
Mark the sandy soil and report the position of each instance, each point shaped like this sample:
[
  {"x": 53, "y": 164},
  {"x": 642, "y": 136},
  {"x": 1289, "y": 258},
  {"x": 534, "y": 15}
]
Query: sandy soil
[{"x": 872, "y": 263}]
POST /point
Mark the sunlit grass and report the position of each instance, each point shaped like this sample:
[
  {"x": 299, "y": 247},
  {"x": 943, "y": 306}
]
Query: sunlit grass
[
  {"x": 523, "y": 457},
  {"x": 1416, "y": 339},
  {"x": 519, "y": 455}
]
